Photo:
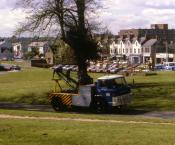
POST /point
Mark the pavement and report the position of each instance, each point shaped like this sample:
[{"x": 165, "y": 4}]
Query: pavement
[{"x": 131, "y": 112}]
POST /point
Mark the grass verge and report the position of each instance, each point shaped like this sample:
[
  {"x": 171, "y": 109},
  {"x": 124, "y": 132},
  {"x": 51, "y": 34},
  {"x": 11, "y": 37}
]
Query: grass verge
[{"x": 50, "y": 132}]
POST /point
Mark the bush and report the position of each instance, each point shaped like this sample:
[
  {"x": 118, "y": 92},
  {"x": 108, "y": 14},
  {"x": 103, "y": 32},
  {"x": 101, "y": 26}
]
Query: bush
[{"x": 150, "y": 73}]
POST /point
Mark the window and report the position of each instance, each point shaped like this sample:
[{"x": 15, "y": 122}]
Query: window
[
  {"x": 18, "y": 47},
  {"x": 134, "y": 50},
  {"x": 126, "y": 50},
  {"x": 146, "y": 50},
  {"x": 138, "y": 50},
  {"x": 131, "y": 50},
  {"x": 112, "y": 83}
]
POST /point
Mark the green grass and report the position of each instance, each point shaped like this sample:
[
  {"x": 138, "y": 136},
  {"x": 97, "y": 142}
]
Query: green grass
[
  {"x": 43, "y": 132},
  {"x": 154, "y": 92},
  {"x": 31, "y": 85},
  {"x": 50, "y": 132}
]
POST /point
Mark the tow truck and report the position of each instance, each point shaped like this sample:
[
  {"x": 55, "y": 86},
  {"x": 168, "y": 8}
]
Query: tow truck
[{"x": 107, "y": 92}]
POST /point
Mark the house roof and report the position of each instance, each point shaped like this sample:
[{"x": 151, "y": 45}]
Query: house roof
[
  {"x": 6, "y": 44},
  {"x": 125, "y": 40},
  {"x": 134, "y": 39},
  {"x": 150, "y": 43},
  {"x": 118, "y": 40},
  {"x": 142, "y": 39}
]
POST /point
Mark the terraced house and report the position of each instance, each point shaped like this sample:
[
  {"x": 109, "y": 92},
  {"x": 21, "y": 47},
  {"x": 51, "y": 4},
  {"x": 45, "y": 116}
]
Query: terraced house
[
  {"x": 129, "y": 49},
  {"x": 156, "y": 44}
]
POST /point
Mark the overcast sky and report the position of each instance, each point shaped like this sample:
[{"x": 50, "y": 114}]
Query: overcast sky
[{"x": 116, "y": 14}]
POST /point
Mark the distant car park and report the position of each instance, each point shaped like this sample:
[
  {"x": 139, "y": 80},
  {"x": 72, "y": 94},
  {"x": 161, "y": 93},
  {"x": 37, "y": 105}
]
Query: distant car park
[
  {"x": 15, "y": 67},
  {"x": 4, "y": 68},
  {"x": 159, "y": 67},
  {"x": 169, "y": 66},
  {"x": 7, "y": 67}
]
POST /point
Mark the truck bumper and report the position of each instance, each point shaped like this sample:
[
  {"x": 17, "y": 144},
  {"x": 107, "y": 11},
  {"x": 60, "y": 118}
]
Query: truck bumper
[{"x": 121, "y": 100}]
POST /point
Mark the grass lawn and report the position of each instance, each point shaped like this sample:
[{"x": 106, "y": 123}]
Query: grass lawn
[
  {"x": 154, "y": 92},
  {"x": 31, "y": 85},
  {"x": 50, "y": 132}
]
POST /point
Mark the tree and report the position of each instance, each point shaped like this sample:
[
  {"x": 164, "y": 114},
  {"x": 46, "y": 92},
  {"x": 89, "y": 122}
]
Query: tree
[{"x": 68, "y": 17}]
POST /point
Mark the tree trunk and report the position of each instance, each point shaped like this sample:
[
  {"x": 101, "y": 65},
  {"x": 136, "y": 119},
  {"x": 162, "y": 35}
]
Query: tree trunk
[
  {"x": 83, "y": 77},
  {"x": 81, "y": 14}
]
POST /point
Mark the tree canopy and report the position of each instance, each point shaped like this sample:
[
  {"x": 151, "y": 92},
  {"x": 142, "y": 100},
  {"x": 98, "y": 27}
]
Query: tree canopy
[{"x": 69, "y": 19}]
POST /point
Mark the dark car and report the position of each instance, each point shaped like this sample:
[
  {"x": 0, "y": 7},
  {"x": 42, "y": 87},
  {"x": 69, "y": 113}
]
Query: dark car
[
  {"x": 4, "y": 68},
  {"x": 15, "y": 67}
]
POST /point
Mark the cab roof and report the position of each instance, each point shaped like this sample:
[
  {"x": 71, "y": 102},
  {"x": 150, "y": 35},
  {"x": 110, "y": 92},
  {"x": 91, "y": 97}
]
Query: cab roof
[{"x": 110, "y": 77}]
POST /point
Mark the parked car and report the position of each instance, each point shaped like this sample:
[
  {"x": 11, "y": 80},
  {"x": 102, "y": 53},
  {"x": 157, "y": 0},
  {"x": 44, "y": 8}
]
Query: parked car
[
  {"x": 71, "y": 67},
  {"x": 66, "y": 67},
  {"x": 159, "y": 67},
  {"x": 15, "y": 67},
  {"x": 115, "y": 70},
  {"x": 169, "y": 66},
  {"x": 3, "y": 68},
  {"x": 92, "y": 68},
  {"x": 99, "y": 69}
]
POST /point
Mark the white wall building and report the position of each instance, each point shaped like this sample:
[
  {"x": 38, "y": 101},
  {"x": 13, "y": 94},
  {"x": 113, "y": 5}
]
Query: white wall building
[
  {"x": 136, "y": 53},
  {"x": 17, "y": 50},
  {"x": 41, "y": 46},
  {"x": 132, "y": 49}
]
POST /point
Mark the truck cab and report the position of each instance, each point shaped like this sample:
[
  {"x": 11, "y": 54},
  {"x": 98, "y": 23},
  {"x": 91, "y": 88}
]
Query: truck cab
[{"x": 114, "y": 90}]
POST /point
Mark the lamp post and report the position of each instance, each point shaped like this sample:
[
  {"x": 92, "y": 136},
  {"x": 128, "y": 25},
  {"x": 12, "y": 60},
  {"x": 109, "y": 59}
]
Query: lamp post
[{"x": 167, "y": 55}]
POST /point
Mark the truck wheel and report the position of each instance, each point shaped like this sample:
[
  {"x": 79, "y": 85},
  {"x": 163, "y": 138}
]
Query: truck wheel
[
  {"x": 99, "y": 106},
  {"x": 57, "y": 104}
]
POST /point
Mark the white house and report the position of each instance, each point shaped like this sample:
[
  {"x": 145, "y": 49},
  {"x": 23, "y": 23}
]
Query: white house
[
  {"x": 17, "y": 50},
  {"x": 113, "y": 48},
  {"x": 117, "y": 48},
  {"x": 41, "y": 46},
  {"x": 128, "y": 47},
  {"x": 132, "y": 49},
  {"x": 135, "y": 51}
]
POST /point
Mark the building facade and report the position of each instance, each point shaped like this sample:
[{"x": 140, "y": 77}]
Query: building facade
[
  {"x": 156, "y": 31},
  {"x": 131, "y": 50}
]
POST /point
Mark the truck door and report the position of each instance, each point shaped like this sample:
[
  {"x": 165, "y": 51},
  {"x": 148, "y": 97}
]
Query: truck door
[{"x": 121, "y": 86}]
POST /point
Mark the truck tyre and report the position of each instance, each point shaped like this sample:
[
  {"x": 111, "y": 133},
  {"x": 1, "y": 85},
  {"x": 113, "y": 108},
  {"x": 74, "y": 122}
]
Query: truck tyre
[
  {"x": 99, "y": 106},
  {"x": 57, "y": 104}
]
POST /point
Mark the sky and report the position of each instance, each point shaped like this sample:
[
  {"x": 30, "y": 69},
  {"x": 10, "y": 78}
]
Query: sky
[{"x": 116, "y": 14}]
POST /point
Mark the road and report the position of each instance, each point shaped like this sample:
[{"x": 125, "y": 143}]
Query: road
[{"x": 48, "y": 108}]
